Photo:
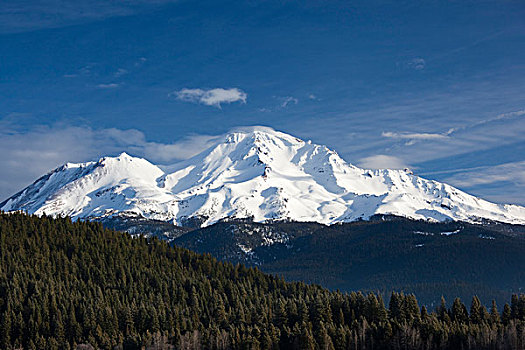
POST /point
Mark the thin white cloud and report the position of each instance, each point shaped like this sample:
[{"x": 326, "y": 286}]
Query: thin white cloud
[
  {"x": 83, "y": 71},
  {"x": 140, "y": 61},
  {"x": 503, "y": 183},
  {"x": 469, "y": 45},
  {"x": 499, "y": 117},
  {"x": 20, "y": 16},
  {"x": 509, "y": 172},
  {"x": 417, "y": 63},
  {"x": 478, "y": 134},
  {"x": 382, "y": 161},
  {"x": 212, "y": 97},
  {"x": 120, "y": 72},
  {"x": 288, "y": 100},
  {"x": 414, "y": 136},
  {"x": 108, "y": 86}
]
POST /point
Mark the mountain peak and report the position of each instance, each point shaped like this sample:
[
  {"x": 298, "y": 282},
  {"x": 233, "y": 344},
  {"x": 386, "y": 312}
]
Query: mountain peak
[
  {"x": 124, "y": 155},
  {"x": 259, "y": 135},
  {"x": 252, "y": 172}
]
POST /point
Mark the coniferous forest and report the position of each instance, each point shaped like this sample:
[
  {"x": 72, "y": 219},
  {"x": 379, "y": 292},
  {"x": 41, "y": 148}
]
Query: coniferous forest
[
  {"x": 383, "y": 254},
  {"x": 66, "y": 285}
]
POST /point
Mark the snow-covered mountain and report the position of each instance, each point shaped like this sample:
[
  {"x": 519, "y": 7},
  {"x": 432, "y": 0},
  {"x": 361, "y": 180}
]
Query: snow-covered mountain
[{"x": 258, "y": 173}]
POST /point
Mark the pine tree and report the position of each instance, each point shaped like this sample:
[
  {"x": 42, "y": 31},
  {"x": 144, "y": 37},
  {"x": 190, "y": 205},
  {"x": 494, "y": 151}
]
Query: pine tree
[
  {"x": 280, "y": 315},
  {"x": 424, "y": 312},
  {"x": 514, "y": 306},
  {"x": 476, "y": 311},
  {"x": 442, "y": 311},
  {"x": 494, "y": 314},
  {"x": 459, "y": 312},
  {"x": 506, "y": 315},
  {"x": 395, "y": 307},
  {"x": 323, "y": 338}
]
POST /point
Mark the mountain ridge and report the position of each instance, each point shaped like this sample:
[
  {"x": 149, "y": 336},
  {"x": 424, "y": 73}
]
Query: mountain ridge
[{"x": 256, "y": 173}]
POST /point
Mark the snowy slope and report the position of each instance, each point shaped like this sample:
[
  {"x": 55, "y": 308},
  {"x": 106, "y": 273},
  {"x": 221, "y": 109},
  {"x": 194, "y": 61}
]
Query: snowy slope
[{"x": 259, "y": 173}]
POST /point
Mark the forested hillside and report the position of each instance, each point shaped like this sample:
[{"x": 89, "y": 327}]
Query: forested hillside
[
  {"x": 64, "y": 284},
  {"x": 385, "y": 254}
]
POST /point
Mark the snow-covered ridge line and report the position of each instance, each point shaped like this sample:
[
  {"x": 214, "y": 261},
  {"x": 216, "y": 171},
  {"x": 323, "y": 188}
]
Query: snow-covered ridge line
[{"x": 258, "y": 173}]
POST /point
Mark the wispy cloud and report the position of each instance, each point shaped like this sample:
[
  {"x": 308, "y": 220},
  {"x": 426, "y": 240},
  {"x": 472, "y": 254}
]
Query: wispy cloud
[
  {"x": 468, "y": 45},
  {"x": 503, "y": 183},
  {"x": 140, "y": 61},
  {"x": 417, "y": 63},
  {"x": 120, "y": 72},
  {"x": 414, "y": 63},
  {"x": 83, "y": 71},
  {"x": 509, "y": 172},
  {"x": 20, "y": 16},
  {"x": 108, "y": 86},
  {"x": 97, "y": 70},
  {"x": 414, "y": 136},
  {"x": 212, "y": 97},
  {"x": 289, "y": 100},
  {"x": 499, "y": 117}
]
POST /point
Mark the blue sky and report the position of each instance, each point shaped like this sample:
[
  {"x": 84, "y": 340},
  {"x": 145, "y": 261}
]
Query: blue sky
[{"x": 437, "y": 86}]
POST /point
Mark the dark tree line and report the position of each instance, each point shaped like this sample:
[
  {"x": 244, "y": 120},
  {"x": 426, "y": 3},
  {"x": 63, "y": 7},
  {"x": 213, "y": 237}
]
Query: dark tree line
[{"x": 63, "y": 284}]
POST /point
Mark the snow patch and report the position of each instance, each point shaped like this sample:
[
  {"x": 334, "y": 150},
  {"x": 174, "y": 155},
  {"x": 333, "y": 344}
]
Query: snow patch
[
  {"x": 450, "y": 233},
  {"x": 423, "y": 233}
]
